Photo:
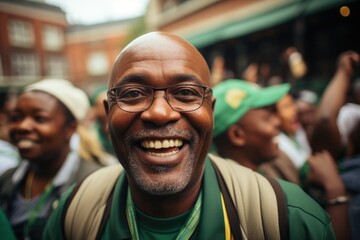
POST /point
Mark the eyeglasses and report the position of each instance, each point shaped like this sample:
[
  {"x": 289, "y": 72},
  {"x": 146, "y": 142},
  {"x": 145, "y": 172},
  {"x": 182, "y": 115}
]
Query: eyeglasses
[{"x": 181, "y": 97}]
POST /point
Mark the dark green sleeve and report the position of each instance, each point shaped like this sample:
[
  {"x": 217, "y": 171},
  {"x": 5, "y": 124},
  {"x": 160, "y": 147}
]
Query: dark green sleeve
[
  {"x": 6, "y": 231},
  {"x": 307, "y": 219},
  {"x": 54, "y": 226}
]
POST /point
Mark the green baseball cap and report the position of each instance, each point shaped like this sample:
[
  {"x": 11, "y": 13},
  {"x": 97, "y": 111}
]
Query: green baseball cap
[{"x": 236, "y": 97}]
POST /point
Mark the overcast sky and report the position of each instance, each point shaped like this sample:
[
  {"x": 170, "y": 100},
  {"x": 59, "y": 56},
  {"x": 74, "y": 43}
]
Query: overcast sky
[{"x": 95, "y": 11}]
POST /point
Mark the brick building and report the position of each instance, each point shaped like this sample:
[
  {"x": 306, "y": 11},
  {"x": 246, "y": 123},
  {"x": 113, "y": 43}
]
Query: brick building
[
  {"x": 91, "y": 49},
  {"x": 32, "y": 43}
]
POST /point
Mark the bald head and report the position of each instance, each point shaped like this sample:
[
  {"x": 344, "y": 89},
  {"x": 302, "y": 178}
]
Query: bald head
[{"x": 159, "y": 47}]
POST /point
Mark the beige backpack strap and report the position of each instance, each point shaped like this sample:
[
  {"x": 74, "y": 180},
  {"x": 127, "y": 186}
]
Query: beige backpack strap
[
  {"x": 85, "y": 211},
  {"x": 254, "y": 199}
]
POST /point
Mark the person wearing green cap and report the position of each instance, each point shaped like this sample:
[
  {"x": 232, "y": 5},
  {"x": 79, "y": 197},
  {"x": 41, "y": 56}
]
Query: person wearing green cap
[
  {"x": 246, "y": 129},
  {"x": 246, "y": 125}
]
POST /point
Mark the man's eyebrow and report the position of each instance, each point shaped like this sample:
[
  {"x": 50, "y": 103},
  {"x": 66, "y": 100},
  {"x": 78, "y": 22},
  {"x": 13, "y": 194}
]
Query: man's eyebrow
[
  {"x": 187, "y": 77},
  {"x": 131, "y": 78}
]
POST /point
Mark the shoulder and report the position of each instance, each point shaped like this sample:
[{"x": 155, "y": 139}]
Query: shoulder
[
  {"x": 86, "y": 168},
  {"x": 78, "y": 205},
  {"x": 297, "y": 198},
  {"x": 6, "y": 183},
  {"x": 306, "y": 217}
]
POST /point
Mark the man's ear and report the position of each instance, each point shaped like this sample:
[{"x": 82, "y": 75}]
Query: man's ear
[
  {"x": 106, "y": 106},
  {"x": 236, "y": 135},
  {"x": 213, "y": 100}
]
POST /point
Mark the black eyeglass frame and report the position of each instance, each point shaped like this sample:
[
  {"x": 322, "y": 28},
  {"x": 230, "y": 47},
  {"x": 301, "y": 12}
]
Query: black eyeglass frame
[{"x": 111, "y": 93}]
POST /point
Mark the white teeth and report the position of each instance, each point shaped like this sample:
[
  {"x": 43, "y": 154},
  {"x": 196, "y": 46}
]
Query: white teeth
[
  {"x": 163, "y": 154},
  {"x": 157, "y": 144},
  {"x": 166, "y": 144},
  {"x": 162, "y": 144},
  {"x": 25, "y": 143}
]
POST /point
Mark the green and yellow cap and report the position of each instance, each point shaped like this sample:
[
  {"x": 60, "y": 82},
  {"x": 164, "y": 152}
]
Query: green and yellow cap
[{"x": 236, "y": 97}]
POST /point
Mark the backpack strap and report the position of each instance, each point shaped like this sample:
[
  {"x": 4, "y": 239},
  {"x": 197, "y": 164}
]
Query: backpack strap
[
  {"x": 230, "y": 207},
  {"x": 87, "y": 208},
  {"x": 254, "y": 199},
  {"x": 106, "y": 215},
  {"x": 282, "y": 208}
]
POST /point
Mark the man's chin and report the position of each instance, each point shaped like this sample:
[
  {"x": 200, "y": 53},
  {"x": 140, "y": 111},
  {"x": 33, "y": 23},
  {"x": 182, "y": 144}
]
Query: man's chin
[{"x": 165, "y": 187}]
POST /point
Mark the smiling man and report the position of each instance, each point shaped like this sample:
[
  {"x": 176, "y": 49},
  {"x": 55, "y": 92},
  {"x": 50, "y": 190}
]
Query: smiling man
[{"x": 160, "y": 115}]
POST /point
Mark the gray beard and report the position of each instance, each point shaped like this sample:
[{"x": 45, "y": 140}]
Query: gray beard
[{"x": 165, "y": 185}]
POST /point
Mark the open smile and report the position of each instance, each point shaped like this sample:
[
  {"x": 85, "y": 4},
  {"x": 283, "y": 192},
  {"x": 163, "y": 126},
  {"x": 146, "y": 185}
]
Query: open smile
[
  {"x": 162, "y": 148},
  {"x": 25, "y": 143},
  {"x": 164, "y": 152}
]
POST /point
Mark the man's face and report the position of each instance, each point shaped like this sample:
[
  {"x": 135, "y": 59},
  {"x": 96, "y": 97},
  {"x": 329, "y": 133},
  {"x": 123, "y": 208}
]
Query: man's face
[
  {"x": 162, "y": 150},
  {"x": 261, "y": 126}
]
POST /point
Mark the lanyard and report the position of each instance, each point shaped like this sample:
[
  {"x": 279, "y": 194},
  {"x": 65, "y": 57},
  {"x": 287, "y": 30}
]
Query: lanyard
[
  {"x": 185, "y": 232},
  {"x": 34, "y": 214}
]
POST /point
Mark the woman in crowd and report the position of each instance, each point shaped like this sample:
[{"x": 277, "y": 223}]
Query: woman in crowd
[{"x": 42, "y": 123}]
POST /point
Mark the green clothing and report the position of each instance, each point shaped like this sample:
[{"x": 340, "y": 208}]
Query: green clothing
[
  {"x": 307, "y": 220},
  {"x": 160, "y": 228},
  {"x": 6, "y": 231}
]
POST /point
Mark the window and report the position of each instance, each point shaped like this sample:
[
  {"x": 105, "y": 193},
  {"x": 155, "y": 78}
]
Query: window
[
  {"x": 52, "y": 38},
  {"x": 21, "y": 33},
  {"x": 55, "y": 66},
  {"x": 97, "y": 64},
  {"x": 24, "y": 64}
]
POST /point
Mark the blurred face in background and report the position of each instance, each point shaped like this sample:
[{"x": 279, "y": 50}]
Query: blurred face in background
[
  {"x": 39, "y": 128},
  {"x": 306, "y": 114},
  {"x": 260, "y": 127},
  {"x": 288, "y": 115}
]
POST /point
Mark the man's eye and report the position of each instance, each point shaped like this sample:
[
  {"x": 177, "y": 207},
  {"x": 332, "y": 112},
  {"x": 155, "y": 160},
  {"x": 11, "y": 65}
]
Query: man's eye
[
  {"x": 185, "y": 92},
  {"x": 133, "y": 93}
]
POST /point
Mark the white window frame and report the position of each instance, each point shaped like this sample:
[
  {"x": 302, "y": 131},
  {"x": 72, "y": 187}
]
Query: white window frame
[{"x": 21, "y": 33}]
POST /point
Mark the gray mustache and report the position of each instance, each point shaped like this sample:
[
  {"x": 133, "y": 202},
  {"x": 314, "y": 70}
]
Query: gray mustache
[{"x": 157, "y": 133}]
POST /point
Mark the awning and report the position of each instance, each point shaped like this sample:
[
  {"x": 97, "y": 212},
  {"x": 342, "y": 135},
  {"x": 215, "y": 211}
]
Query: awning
[{"x": 263, "y": 20}]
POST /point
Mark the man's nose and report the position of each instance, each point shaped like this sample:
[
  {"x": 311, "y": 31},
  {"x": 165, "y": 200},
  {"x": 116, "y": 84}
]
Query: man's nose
[{"x": 160, "y": 112}]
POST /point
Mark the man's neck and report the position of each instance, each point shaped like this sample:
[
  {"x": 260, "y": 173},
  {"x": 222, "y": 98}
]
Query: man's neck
[{"x": 165, "y": 206}]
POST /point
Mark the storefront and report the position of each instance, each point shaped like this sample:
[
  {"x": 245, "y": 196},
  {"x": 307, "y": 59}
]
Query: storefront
[{"x": 315, "y": 27}]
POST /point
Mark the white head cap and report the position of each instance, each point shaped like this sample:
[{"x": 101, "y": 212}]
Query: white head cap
[{"x": 72, "y": 97}]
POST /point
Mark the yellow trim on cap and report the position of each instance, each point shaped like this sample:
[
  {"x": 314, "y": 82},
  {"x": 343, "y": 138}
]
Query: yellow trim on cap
[{"x": 234, "y": 97}]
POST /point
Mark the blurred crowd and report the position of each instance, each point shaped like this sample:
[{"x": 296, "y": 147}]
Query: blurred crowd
[{"x": 53, "y": 133}]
